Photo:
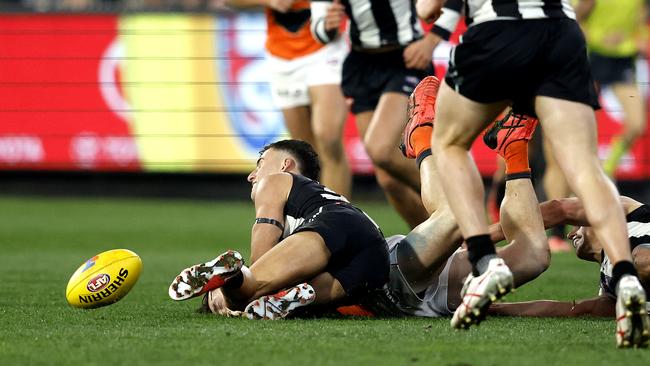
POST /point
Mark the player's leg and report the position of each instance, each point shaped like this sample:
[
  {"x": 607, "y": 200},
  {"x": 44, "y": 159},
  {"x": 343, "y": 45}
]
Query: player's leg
[
  {"x": 634, "y": 123},
  {"x": 297, "y": 121},
  {"x": 296, "y": 259},
  {"x": 383, "y": 135},
  {"x": 403, "y": 198},
  {"x": 329, "y": 113},
  {"x": 459, "y": 121},
  {"x": 571, "y": 128},
  {"x": 571, "y": 131},
  {"x": 555, "y": 187}
]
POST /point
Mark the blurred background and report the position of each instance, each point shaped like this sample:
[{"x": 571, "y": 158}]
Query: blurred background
[{"x": 170, "y": 98}]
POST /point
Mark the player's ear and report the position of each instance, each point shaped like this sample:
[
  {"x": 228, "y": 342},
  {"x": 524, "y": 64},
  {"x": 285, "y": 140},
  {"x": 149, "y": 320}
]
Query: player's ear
[{"x": 289, "y": 164}]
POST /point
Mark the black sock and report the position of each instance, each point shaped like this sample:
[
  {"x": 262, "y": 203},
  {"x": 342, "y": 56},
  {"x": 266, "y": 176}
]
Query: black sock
[
  {"x": 235, "y": 281},
  {"x": 478, "y": 247},
  {"x": 621, "y": 269}
]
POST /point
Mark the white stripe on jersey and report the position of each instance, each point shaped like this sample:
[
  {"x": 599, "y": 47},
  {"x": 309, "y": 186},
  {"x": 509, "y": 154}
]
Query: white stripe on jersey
[
  {"x": 448, "y": 20},
  {"x": 402, "y": 11},
  {"x": 291, "y": 224},
  {"x": 638, "y": 229},
  {"x": 368, "y": 30},
  {"x": 484, "y": 10}
]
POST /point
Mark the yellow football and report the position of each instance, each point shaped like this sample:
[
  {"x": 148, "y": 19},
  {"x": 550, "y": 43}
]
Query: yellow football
[{"x": 103, "y": 279}]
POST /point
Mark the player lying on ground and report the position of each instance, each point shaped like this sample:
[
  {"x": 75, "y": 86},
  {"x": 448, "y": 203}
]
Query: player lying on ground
[
  {"x": 571, "y": 211},
  {"x": 427, "y": 270},
  {"x": 302, "y": 230}
]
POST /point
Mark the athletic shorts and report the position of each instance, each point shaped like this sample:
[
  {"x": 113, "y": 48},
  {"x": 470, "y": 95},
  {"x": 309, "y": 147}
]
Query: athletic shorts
[
  {"x": 517, "y": 60},
  {"x": 397, "y": 298},
  {"x": 366, "y": 76},
  {"x": 359, "y": 255},
  {"x": 612, "y": 70},
  {"x": 291, "y": 79}
]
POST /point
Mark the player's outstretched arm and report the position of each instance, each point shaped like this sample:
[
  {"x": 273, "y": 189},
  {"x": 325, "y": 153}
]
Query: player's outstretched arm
[
  {"x": 271, "y": 196},
  {"x": 601, "y": 306}
]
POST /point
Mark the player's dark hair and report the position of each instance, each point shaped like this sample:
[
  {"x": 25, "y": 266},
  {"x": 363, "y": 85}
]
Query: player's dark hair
[{"x": 307, "y": 159}]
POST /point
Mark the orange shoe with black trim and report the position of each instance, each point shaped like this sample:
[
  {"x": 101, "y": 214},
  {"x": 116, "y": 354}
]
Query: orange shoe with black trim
[
  {"x": 513, "y": 127},
  {"x": 421, "y": 112}
]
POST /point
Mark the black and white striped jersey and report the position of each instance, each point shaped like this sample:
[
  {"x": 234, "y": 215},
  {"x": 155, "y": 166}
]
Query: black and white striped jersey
[
  {"x": 638, "y": 230},
  {"x": 479, "y": 11},
  {"x": 373, "y": 23},
  {"x": 448, "y": 21},
  {"x": 305, "y": 199}
]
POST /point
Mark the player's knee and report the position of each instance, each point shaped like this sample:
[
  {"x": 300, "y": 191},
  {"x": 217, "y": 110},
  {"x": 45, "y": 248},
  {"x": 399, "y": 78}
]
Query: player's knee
[
  {"x": 330, "y": 145},
  {"x": 381, "y": 156}
]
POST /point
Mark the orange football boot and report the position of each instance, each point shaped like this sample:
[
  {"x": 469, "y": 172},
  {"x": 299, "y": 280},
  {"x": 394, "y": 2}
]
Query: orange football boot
[
  {"x": 513, "y": 127},
  {"x": 421, "y": 112}
]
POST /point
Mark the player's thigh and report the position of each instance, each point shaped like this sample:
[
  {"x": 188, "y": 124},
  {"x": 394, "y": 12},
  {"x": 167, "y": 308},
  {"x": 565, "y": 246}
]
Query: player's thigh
[
  {"x": 388, "y": 121},
  {"x": 459, "y": 120},
  {"x": 297, "y": 258},
  {"x": 570, "y": 130}
]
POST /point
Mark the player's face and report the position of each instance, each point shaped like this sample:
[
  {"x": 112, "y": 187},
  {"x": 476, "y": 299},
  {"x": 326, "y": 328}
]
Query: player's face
[
  {"x": 271, "y": 162},
  {"x": 585, "y": 242}
]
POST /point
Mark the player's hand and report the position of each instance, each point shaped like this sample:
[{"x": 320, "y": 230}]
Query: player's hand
[
  {"x": 335, "y": 16},
  {"x": 280, "y": 5},
  {"x": 418, "y": 54},
  {"x": 429, "y": 10}
]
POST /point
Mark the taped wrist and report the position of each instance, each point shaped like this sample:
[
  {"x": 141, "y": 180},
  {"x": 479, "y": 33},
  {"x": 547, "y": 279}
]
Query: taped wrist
[{"x": 266, "y": 220}]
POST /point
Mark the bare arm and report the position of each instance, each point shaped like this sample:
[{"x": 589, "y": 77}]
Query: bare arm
[
  {"x": 568, "y": 211},
  {"x": 278, "y": 5},
  {"x": 601, "y": 306},
  {"x": 429, "y": 10},
  {"x": 271, "y": 196},
  {"x": 583, "y": 8}
]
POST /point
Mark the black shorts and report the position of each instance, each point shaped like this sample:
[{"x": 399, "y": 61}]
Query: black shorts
[
  {"x": 517, "y": 60},
  {"x": 366, "y": 76},
  {"x": 359, "y": 254},
  {"x": 611, "y": 70}
]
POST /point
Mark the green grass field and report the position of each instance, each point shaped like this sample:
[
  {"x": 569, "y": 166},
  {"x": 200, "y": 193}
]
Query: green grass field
[{"x": 43, "y": 240}]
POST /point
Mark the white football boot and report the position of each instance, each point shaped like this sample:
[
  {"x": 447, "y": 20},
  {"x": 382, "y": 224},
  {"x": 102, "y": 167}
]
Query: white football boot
[
  {"x": 481, "y": 291},
  {"x": 632, "y": 322},
  {"x": 280, "y": 305},
  {"x": 203, "y": 277}
]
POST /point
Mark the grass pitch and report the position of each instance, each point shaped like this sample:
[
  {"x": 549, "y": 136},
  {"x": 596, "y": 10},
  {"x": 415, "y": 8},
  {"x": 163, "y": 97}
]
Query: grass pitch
[{"x": 43, "y": 240}]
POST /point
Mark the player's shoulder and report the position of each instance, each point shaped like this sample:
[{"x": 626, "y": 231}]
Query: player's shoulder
[{"x": 275, "y": 183}]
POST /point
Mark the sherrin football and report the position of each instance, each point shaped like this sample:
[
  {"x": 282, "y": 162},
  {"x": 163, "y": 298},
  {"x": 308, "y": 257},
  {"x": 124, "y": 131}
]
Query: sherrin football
[{"x": 103, "y": 279}]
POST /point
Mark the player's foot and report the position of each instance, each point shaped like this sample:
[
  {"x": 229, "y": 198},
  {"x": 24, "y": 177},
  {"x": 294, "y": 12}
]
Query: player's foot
[
  {"x": 201, "y": 278},
  {"x": 481, "y": 291},
  {"x": 511, "y": 128},
  {"x": 280, "y": 305},
  {"x": 421, "y": 112},
  {"x": 632, "y": 323}
]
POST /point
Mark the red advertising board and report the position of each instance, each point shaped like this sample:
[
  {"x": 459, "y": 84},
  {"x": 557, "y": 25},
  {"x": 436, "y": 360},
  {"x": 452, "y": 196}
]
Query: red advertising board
[{"x": 70, "y": 98}]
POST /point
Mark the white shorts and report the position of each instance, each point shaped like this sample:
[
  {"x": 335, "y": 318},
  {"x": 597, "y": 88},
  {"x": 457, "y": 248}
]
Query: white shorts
[
  {"x": 433, "y": 302},
  {"x": 290, "y": 79}
]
